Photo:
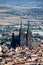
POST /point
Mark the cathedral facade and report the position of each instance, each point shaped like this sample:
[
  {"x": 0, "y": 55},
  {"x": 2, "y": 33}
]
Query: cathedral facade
[{"x": 24, "y": 39}]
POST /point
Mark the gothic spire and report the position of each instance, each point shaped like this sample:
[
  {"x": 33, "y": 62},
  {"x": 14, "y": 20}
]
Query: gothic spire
[
  {"x": 21, "y": 24},
  {"x": 28, "y": 29},
  {"x": 28, "y": 24},
  {"x": 29, "y": 37},
  {"x": 21, "y": 30}
]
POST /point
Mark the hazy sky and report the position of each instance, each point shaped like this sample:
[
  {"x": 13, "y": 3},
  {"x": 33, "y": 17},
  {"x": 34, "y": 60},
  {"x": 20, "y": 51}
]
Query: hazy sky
[
  {"x": 23, "y": 3},
  {"x": 7, "y": 10}
]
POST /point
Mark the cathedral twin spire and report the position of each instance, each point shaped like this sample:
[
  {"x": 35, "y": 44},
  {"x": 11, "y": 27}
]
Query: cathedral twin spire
[
  {"x": 28, "y": 36},
  {"x": 24, "y": 39},
  {"x": 21, "y": 26}
]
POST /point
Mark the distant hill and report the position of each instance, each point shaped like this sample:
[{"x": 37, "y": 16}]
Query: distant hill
[{"x": 28, "y": 9}]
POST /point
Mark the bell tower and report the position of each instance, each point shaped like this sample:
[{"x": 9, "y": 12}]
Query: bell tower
[
  {"x": 21, "y": 36},
  {"x": 29, "y": 37}
]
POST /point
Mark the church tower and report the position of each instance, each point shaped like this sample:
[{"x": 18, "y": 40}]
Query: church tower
[
  {"x": 21, "y": 36},
  {"x": 13, "y": 44},
  {"x": 29, "y": 37}
]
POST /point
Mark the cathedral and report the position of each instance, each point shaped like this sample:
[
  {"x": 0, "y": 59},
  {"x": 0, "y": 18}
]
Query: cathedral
[{"x": 23, "y": 40}]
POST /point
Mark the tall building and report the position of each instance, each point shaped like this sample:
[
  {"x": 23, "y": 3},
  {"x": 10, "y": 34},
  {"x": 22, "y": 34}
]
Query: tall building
[
  {"x": 13, "y": 41},
  {"x": 29, "y": 37},
  {"x": 22, "y": 37}
]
